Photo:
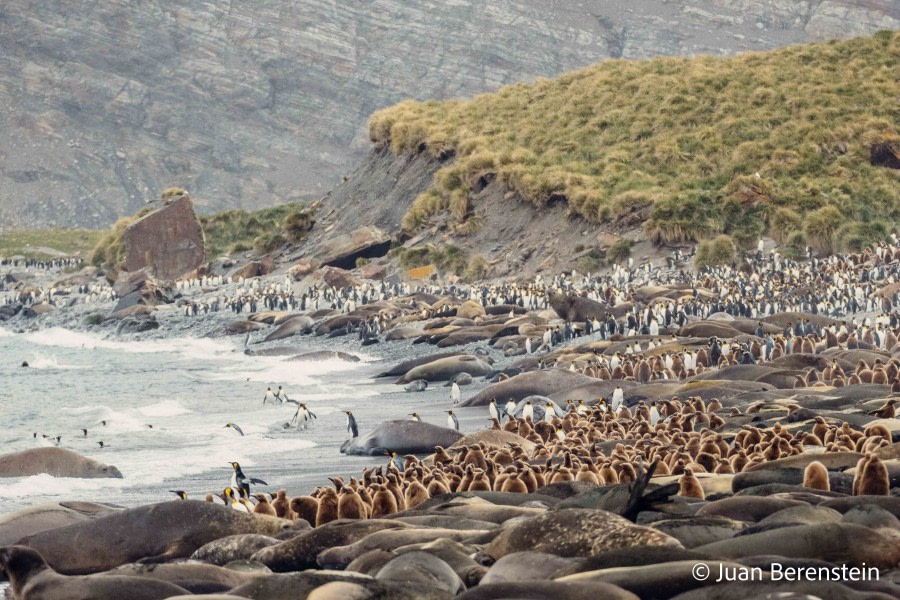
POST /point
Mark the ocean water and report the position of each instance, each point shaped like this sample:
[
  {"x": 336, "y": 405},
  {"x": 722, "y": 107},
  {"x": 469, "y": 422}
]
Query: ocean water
[{"x": 187, "y": 389}]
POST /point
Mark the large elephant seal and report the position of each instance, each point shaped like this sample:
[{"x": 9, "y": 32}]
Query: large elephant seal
[
  {"x": 547, "y": 590},
  {"x": 421, "y": 567},
  {"x": 403, "y": 437},
  {"x": 300, "y": 552},
  {"x": 840, "y": 543},
  {"x": 340, "y": 556},
  {"x": 320, "y": 355},
  {"x": 444, "y": 369},
  {"x": 401, "y": 368},
  {"x": 155, "y": 532},
  {"x": 15, "y": 526},
  {"x": 534, "y": 383},
  {"x": 299, "y": 324},
  {"x": 573, "y": 532},
  {"x": 576, "y": 309},
  {"x": 57, "y": 462},
  {"x": 32, "y": 579}
]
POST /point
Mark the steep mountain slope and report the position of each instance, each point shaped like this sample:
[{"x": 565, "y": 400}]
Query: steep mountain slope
[{"x": 255, "y": 103}]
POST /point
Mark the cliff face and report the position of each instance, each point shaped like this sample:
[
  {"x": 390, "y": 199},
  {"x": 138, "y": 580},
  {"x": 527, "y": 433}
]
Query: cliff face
[{"x": 250, "y": 104}]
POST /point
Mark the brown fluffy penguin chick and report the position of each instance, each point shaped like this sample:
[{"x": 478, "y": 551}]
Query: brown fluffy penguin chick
[
  {"x": 282, "y": 506},
  {"x": 328, "y": 507},
  {"x": 383, "y": 503},
  {"x": 263, "y": 506},
  {"x": 514, "y": 484},
  {"x": 875, "y": 480},
  {"x": 350, "y": 505},
  {"x": 436, "y": 487},
  {"x": 305, "y": 507},
  {"x": 415, "y": 494},
  {"x": 816, "y": 477},
  {"x": 689, "y": 486},
  {"x": 210, "y": 498},
  {"x": 480, "y": 483}
]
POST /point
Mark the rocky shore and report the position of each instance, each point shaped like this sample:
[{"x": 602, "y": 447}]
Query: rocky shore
[{"x": 644, "y": 434}]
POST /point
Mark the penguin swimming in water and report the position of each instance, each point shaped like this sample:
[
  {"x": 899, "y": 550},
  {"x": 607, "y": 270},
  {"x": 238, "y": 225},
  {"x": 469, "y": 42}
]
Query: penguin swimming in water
[
  {"x": 452, "y": 421},
  {"x": 351, "y": 424},
  {"x": 241, "y": 481},
  {"x": 235, "y": 427}
]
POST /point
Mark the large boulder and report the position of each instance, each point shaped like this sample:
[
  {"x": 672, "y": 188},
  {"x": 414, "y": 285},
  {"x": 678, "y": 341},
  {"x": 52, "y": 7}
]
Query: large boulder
[
  {"x": 365, "y": 242},
  {"x": 139, "y": 288},
  {"x": 169, "y": 241},
  {"x": 336, "y": 277}
]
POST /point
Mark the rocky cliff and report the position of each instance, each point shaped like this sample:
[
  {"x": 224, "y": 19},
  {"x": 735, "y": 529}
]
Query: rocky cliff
[{"x": 251, "y": 104}]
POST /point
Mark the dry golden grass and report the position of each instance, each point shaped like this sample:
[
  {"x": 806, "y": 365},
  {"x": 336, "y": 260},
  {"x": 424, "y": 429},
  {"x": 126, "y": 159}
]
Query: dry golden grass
[{"x": 736, "y": 138}]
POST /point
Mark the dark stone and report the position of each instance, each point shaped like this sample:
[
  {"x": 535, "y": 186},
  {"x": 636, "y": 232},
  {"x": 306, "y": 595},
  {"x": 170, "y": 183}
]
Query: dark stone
[{"x": 882, "y": 155}]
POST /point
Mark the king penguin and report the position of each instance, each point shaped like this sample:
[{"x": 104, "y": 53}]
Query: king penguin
[
  {"x": 351, "y": 424},
  {"x": 241, "y": 481},
  {"x": 452, "y": 421}
]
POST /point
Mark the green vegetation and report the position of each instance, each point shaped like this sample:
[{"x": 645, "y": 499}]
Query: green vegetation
[
  {"x": 263, "y": 231},
  {"x": 30, "y": 242},
  {"x": 620, "y": 251},
  {"x": 739, "y": 145},
  {"x": 110, "y": 250},
  {"x": 448, "y": 258},
  {"x": 715, "y": 253}
]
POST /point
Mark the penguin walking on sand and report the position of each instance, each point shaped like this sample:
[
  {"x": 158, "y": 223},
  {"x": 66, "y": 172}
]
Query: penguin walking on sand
[
  {"x": 452, "y": 421},
  {"x": 351, "y": 424},
  {"x": 455, "y": 394},
  {"x": 239, "y": 481},
  {"x": 528, "y": 411},
  {"x": 303, "y": 416},
  {"x": 496, "y": 412},
  {"x": 510, "y": 408}
]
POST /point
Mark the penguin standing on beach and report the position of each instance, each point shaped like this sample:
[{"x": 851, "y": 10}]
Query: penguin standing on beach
[
  {"x": 452, "y": 421},
  {"x": 240, "y": 481},
  {"x": 351, "y": 424},
  {"x": 455, "y": 394}
]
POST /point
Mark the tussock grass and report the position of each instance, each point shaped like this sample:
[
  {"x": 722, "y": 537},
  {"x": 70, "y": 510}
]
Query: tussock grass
[
  {"x": 737, "y": 139},
  {"x": 27, "y": 242},
  {"x": 715, "y": 253}
]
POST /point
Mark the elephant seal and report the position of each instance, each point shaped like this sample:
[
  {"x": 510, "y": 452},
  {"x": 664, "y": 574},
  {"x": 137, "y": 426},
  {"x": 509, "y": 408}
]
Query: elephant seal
[
  {"x": 571, "y": 532},
  {"x": 699, "y": 531},
  {"x": 524, "y": 566},
  {"x": 403, "y": 437},
  {"x": 233, "y": 547},
  {"x": 15, "y": 526},
  {"x": 746, "y": 508},
  {"x": 840, "y": 543},
  {"x": 646, "y": 580},
  {"x": 443, "y": 369},
  {"x": 183, "y": 574},
  {"x": 152, "y": 533},
  {"x": 299, "y": 324},
  {"x": 284, "y": 586},
  {"x": 496, "y": 438},
  {"x": 421, "y": 567},
  {"x": 576, "y": 309},
  {"x": 533, "y": 383},
  {"x": 547, "y": 590},
  {"x": 300, "y": 552},
  {"x": 320, "y": 355},
  {"x": 341, "y": 556},
  {"x": 402, "y": 368},
  {"x": 31, "y": 578},
  {"x": 771, "y": 590},
  {"x": 57, "y": 462}
]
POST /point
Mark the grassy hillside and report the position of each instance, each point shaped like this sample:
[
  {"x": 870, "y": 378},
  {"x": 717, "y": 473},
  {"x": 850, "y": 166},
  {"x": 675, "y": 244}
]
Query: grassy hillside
[
  {"x": 34, "y": 243},
  {"x": 776, "y": 141}
]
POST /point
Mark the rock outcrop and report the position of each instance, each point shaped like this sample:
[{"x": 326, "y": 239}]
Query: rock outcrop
[
  {"x": 365, "y": 242},
  {"x": 252, "y": 103},
  {"x": 168, "y": 241}
]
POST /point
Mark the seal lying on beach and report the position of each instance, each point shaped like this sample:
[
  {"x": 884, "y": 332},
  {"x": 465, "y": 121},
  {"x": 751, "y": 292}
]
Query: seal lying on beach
[{"x": 57, "y": 462}]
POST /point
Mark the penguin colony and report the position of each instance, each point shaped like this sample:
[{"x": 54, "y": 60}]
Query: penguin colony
[{"x": 745, "y": 414}]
